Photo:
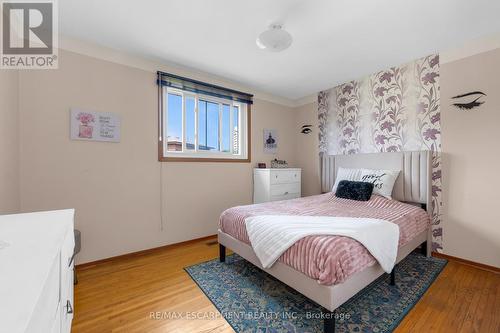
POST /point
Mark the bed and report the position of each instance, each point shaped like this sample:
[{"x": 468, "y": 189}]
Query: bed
[{"x": 331, "y": 269}]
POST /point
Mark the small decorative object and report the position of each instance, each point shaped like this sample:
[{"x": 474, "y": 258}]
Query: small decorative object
[
  {"x": 306, "y": 129},
  {"x": 278, "y": 164},
  {"x": 270, "y": 141},
  {"x": 261, "y": 165},
  {"x": 469, "y": 101},
  {"x": 94, "y": 126}
]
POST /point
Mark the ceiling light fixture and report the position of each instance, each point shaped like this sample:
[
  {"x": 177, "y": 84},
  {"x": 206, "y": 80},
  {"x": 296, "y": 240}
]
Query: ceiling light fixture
[{"x": 274, "y": 39}]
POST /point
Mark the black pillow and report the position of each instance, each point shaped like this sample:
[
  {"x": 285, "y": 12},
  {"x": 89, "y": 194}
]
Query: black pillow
[{"x": 360, "y": 191}]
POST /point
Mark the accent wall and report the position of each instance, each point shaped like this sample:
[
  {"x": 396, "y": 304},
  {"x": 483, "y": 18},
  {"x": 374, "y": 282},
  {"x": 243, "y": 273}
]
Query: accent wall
[{"x": 397, "y": 109}]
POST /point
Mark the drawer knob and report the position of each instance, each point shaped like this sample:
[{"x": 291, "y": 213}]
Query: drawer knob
[
  {"x": 286, "y": 192},
  {"x": 69, "y": 308}
]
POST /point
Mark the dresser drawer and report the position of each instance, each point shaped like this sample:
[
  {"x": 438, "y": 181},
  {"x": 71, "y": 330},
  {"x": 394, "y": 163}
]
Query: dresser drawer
[
  {"x": 67, "y": 265},
  {"x": 284, "y": 176},
  {"x": 285, "y": 189},
  {"x": 288, "y": 196},
  {"x": 56, "y": 324},
  {"x": 276, "y": 184},
  {"x": 47, "y": 307}
]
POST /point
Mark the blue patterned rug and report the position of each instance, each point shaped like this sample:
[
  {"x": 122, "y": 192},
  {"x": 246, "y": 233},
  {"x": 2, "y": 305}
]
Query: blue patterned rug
[{"x": 253, "y": 301}]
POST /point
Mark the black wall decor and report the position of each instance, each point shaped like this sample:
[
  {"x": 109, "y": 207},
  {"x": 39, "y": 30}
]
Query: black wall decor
[
  {"x": 469, "y": 100},
  {"x": 306, "y": 129}
]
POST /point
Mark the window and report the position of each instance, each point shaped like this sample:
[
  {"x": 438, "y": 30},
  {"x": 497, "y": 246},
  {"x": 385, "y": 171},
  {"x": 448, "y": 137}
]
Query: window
[{"x": 199, "y": 127}]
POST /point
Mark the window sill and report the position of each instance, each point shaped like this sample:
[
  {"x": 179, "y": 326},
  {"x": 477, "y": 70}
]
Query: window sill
[{"x": 201, "y": 159}]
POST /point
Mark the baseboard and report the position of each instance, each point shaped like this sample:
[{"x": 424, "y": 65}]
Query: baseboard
[
  {"x": 467, "y": 262},
  {"x": 143, "y": 252}
]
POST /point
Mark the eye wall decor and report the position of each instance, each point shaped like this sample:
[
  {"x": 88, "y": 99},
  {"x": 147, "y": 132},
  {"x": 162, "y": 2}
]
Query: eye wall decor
[
  {"x": 469, "y": 100},
  {"x": 306, "y": 129}
]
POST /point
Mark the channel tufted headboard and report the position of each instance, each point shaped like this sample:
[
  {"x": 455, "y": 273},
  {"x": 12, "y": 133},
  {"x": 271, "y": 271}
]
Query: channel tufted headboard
[{"x": 413, "y": 183}]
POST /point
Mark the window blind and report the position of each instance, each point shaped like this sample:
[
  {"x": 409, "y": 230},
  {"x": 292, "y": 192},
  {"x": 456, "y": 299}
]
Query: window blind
[{"x": 182, "y": 83}]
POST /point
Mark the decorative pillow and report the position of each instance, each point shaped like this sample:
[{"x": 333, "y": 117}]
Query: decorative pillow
[
  {"x": 383, "y": 180},
  {"x": 360, "y": 191},
  {"x": 346, "y": 174}
]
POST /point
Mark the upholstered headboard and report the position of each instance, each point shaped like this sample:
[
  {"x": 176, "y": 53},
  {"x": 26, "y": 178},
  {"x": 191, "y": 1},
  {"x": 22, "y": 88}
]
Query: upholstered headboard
[{"x": 413, "y": 183}]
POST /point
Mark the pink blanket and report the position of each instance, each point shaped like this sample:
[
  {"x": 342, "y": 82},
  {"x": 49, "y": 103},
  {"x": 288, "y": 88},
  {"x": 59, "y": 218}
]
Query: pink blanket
[{"x": 330, "y": 259}]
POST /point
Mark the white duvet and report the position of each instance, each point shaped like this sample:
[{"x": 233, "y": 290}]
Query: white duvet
[{"x": 272, "y": 235}]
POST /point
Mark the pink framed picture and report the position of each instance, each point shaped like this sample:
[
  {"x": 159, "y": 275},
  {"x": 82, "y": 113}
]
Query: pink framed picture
[{"x": 94, "y": 126}]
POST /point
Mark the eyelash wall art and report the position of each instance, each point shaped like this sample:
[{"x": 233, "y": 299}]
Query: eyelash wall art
[
  {"x": 306, "y": 129},
  {"x": 469, "y": 101}
]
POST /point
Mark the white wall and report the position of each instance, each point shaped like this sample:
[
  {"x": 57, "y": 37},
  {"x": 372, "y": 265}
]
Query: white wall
[
  {"x": 9, "y": 142},
  {"x": 471, "y": 160},
  {"x": 307, "y": 151},
  {"x": 115, "y": 187}
]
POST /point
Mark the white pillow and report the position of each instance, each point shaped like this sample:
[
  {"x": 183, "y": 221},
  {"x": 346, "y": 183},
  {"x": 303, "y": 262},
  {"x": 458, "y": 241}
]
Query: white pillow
[
  {"x": 346, "y": 174},
  {"x": 383, "y": 180}
]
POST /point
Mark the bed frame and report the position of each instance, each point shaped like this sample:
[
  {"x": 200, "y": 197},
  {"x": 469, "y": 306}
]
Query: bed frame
[{"x": 413, "y": 186}]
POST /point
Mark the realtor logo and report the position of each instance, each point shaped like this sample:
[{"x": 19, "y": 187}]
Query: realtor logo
[{"x": 29, "y": 34}]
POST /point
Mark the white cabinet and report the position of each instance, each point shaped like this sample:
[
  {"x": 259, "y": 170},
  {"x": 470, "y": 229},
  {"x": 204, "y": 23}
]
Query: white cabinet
[
  {"x": 67, "y": 265},
  {"x": 36, "y": 279},
  {"x": 276, "y": 184}
]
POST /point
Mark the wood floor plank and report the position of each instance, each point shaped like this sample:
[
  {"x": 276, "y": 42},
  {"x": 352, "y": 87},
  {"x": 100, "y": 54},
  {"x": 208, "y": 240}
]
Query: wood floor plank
[{"x": 120, "y": 295}]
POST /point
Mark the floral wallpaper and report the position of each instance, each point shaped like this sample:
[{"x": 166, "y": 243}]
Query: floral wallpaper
[{"x": 393, "y": 110}]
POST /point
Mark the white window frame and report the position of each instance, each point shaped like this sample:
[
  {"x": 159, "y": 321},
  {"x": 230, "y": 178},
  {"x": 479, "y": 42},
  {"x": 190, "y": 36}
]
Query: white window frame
[{"x": 206, "y": 154}]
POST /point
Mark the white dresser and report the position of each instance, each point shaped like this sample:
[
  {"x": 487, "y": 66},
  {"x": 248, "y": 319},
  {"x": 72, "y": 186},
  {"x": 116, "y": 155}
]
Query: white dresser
[
  {"x": 36, "y": 272},
  {"x": 276, "y": 184}
]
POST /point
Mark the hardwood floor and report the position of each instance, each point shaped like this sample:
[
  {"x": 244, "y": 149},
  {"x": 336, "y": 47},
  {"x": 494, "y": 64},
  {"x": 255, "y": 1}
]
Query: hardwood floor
[{"x": 120, "y": 295}]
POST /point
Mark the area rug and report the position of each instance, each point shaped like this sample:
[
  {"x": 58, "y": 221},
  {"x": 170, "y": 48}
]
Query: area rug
[{"x": 253, "y": 301}]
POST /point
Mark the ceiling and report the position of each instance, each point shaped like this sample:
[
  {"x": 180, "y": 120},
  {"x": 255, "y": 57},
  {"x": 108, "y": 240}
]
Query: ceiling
[{"x": 334, "y": 40}]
